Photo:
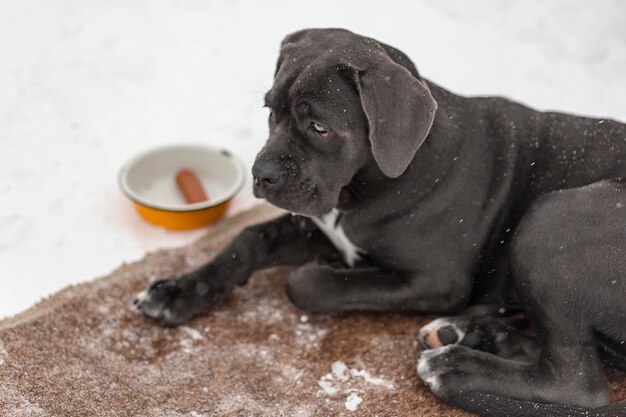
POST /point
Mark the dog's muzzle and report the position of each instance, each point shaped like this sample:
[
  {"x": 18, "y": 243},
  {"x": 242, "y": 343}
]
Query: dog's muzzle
[{"x": 269, "y": 175}]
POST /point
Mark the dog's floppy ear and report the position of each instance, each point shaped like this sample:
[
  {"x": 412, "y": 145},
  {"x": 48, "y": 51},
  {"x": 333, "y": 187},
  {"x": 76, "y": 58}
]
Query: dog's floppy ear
[{"x": 400, "y": 111}]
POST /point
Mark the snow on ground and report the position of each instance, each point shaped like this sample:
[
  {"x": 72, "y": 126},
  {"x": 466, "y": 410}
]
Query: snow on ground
[{"x": 86, "y": 85}]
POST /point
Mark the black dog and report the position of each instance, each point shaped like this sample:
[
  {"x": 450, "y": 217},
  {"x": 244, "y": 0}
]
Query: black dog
[{"x": 410, "y": 198}]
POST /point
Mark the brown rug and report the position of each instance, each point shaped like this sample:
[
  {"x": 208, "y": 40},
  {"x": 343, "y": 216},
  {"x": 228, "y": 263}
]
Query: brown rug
[{"x": 87, "y": 352}]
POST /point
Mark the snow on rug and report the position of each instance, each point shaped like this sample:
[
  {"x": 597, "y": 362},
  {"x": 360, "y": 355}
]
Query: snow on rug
[{"x": 87, "y": 352}]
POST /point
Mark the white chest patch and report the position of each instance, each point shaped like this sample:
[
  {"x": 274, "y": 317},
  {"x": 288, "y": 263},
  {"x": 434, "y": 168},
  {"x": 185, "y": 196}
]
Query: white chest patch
[{"x": 328, "y": 224}]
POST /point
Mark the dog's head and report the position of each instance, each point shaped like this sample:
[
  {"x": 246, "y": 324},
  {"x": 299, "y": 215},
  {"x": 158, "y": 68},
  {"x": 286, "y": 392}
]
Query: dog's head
[{"x": 340, "y": 102}]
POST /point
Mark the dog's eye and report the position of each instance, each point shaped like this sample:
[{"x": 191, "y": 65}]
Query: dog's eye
[{"x": 319, "y": 129}]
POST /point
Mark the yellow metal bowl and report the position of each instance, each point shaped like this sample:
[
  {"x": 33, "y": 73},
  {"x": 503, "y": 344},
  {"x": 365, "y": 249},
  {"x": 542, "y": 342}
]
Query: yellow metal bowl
[{"x": 149, "y": 181}]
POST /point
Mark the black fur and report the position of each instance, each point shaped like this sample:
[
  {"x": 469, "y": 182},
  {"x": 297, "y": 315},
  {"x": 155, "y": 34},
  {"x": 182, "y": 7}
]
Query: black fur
[{"x": 455, "y": 201}]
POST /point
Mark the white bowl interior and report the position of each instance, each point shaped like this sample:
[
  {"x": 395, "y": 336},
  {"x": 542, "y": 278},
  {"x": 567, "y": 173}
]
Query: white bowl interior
[{"x": 150, "y": 179}]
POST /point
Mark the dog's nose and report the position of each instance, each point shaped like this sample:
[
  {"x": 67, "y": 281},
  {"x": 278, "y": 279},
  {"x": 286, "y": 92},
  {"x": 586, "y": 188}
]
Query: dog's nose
[{"x": 269, "y": 173}]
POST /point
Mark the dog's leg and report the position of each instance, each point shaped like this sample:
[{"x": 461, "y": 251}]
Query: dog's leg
[
  {"x": 499, "y": 336},
  {"x": 567, "y": 262},
  {"x": 565, "y": 374},
  {"x": 287, "y": 240},
  {"x": 322, "y": 288}
]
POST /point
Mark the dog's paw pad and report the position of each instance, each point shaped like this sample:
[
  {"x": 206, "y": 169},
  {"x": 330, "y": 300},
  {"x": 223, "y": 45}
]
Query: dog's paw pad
[{"x": 440, "y": 332}]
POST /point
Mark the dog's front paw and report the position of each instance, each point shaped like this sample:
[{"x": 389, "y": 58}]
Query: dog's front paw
[{"x": 176, "y": 301}]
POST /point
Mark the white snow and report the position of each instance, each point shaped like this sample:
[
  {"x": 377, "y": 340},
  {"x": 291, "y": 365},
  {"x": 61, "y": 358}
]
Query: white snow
[
  {"x": 353, "y": 401},
  {"x": 3, "y": 354},
  {"x": 339, "y": 369},
  {"x": 193, "y": 333},
  {"x": 371, "y": 379},
  {"x": 87, "y": 85},
  {"x": 342, "y": 379},
  {"x": 327, "y": 386}
]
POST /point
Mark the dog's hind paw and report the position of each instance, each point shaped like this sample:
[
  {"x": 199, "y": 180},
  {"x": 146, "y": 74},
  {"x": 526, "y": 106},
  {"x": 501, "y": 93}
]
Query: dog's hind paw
[
  {"x": 500, "y": 336},
  {"x": 487, "y": 334},
  {"x": 441, "y": 332},
  {"x": 436, "y": 366},
  {"x": 453, "y": 369}
]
